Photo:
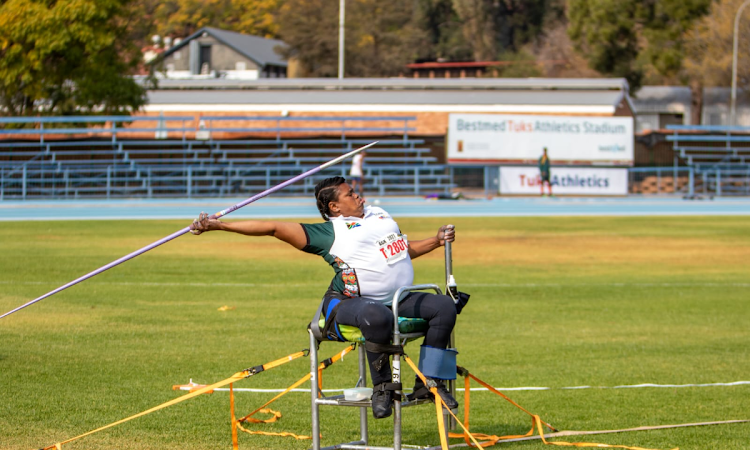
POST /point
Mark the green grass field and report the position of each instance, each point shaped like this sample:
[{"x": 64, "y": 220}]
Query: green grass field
[{"x": 556, "y": 302}]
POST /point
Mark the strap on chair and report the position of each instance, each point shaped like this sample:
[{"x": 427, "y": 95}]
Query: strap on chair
[{"x": 387, "y": 349}]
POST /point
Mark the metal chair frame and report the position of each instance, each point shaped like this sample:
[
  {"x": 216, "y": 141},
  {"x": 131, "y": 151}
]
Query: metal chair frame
[{"x": 363, "y": 405}]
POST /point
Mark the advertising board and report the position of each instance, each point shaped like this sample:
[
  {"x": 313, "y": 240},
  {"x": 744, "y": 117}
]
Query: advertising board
[
  {"x": 519, "y": 139},
  {"x": 565, "y": 180}
]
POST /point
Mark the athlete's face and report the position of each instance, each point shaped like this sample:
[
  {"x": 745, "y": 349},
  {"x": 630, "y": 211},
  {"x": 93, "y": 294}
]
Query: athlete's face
[{"x": 349, "y": 204}]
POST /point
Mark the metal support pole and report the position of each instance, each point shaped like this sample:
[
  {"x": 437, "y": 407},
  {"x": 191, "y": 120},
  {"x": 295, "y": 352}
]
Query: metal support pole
[
  {"x": 452, "y": 290},
  {"x": 396, "y": 376},
  {"x": 341, "y": 38},
  {"x": 315, "y": 412},
  {"x": 718, "y": 182},
  {"x": 363, "y": 430},
  {"x": 658, "y": 180},
  {"x": 691, "y": 183},
  {"x": 733, "y": 107}
]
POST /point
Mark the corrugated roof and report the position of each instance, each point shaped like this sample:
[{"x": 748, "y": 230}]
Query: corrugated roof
[
  {"x": 545, "y": 84},
  {"x": 386, "y": 97},
  {"x": 256, "y": 48},
  {"x": 676, "y": 99}
]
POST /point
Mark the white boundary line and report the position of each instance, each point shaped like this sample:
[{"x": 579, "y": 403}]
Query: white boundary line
[
  {"x": 492, "y": 285},
  {"x": 527, "y": 388}
]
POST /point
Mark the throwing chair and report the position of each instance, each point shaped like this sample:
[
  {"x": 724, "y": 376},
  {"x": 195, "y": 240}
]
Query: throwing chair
[{"x": 404, "y": 329}]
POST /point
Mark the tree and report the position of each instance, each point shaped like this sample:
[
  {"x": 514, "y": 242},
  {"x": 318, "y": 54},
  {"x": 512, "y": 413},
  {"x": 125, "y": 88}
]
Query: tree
[
  {"x": 494, "y": 27},
  {"x": 443, "y": 31},
  {"x": 516, "y": 65},
  {"x": 605, "y": 30},
  {"x": 628, "y": 37},
  {"x": 710, "y": 42},
  {"x": 557, "y": 57},
  {"x": 67, "y": 57},
  {"x": 380, "y": 38},
  {"x": 180, "y": 18}
]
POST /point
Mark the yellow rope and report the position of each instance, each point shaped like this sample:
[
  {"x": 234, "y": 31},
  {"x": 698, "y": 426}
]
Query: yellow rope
[
  {"x": 536, "y": 423},
  {"x": 205, "y": 390}
]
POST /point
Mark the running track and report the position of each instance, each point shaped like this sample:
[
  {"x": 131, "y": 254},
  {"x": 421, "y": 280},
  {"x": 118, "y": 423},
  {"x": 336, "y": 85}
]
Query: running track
[{"x": 297, "y": 207}]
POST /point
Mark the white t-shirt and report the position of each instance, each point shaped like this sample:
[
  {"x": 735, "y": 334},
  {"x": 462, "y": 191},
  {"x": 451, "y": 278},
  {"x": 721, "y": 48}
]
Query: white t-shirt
[
  {"x": 356, "y": 170},
  {"x": 369, "y": 254}
]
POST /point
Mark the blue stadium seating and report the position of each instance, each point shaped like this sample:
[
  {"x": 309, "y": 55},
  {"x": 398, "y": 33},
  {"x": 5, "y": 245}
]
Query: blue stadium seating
[
  {"x": 718, "y": 156},
  {"x": 99, "y": 156}
]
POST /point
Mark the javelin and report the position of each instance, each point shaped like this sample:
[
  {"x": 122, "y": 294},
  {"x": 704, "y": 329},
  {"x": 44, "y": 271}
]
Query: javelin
[{"x": 187, "y": 229}]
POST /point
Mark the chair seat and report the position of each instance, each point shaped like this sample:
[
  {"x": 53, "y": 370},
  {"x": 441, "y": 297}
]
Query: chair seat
[{"x": 405, "y": 325}]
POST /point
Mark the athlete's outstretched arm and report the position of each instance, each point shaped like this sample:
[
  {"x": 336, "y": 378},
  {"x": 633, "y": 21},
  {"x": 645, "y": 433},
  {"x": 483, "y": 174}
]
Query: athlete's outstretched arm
[
  {"x": 289, "y": 232},
  {"x": 419, "y": 248}
]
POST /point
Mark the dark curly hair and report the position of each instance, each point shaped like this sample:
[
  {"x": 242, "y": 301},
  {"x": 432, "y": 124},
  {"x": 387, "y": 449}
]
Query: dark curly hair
[{"x": 326, "y": 192}]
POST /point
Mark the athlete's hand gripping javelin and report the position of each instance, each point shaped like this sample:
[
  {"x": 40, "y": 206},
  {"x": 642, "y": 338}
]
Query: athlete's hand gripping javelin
[{"x": 204, "y": 223}]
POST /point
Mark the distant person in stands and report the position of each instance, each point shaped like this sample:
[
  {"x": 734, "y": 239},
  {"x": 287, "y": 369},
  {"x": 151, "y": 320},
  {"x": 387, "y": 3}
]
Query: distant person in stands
[
  {"x": 356, "y": 174},
  {"x": 544, "y": 173}
]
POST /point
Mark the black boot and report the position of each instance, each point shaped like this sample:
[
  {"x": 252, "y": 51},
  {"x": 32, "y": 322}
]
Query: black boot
[
  {"x": 382, "y": 401},
  {"x": 423, "y": 392}
]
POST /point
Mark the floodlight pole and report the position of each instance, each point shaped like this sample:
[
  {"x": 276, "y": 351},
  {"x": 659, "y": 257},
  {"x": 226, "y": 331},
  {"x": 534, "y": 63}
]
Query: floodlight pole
[
  {"x": 341, "y": 39},
  {"x": 733, "y": 107},
  {"x": 188, "y": 228}
]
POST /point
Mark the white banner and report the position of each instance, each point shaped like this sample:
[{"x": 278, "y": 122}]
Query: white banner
[
  {"x": 565, "y": 180},
  {"x": 498, "y": 139}
]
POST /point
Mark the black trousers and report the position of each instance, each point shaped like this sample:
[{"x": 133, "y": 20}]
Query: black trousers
[{"x": 375, "y": 320}]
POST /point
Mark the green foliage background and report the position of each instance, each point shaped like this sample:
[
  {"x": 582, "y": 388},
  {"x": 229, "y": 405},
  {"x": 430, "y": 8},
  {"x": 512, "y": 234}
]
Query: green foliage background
[{"x": 68, "y": 57}]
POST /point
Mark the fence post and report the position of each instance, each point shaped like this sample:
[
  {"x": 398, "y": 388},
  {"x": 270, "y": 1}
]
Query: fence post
[
  {"x": 691, "y": 181},
  {"x": 190, "y": 182},
  {"x": 718, "y": 181},
  {"x": 109, "y": 180},
  {"x": 658, "y": 180},
  {"x": 149, "y": 189},
  {"x": 23, "y": 182},
  {"x": 486, "y": 181}
]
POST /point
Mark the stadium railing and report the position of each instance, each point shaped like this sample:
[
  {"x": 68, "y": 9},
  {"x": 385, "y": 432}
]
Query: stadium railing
[
  {"x": 718, "y": 155},
  {"x": 661, "y": 180}
]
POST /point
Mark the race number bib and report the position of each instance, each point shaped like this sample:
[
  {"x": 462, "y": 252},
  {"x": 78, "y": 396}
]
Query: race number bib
[{"x": 393, "y": 247}]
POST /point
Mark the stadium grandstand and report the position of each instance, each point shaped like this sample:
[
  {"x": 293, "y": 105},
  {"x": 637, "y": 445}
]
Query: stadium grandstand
[{"x": 221, "y": 137}]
